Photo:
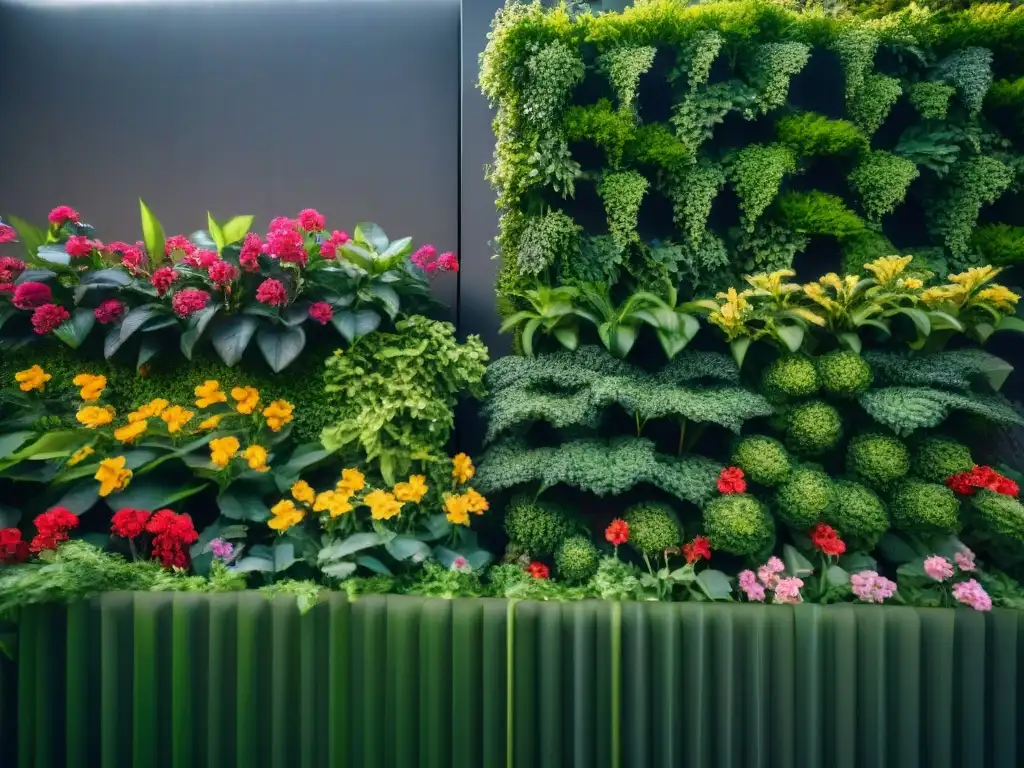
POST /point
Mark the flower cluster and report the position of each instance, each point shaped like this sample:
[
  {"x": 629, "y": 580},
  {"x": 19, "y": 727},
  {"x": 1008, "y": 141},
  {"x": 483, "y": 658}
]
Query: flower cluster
[
  {"x": 172, "y": 533},
  {"x": 869, "y": 587},
  {"x": 768, "y": 579},
  {"x": 969, "y": 591},
  {"x": 699, "y": 548},
  {"x": 13, "y": 549},
  {"x": 53, "y": 527},
  {"x": 426, "y": 258},
  {"x": 966, "y": 483},
  {"x": 731, "y": 480},
  {"x": 826, "y": 540},
  {"x": 617, "y": 532},
  {"x": 538, "y": 570},
  {"x": 458, "y": 506}
]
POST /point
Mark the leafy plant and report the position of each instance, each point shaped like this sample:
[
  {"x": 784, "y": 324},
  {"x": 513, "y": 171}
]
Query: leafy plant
[
  {"x": 599, "y": 260},
  {"x": 768, "y": 248},
  {"x": 951, "y": 369},
  {"x": 656, "y": 144},
  {"x": 551, "y": 164},
  {"x": 810, "y": 134},
  {"x": 770, "y": 69},
  {"x": 970, "y": 70},
  {"x": 906, "y": 409},
  {"x": 1000, "y": 244},
  {"x": 601, "y": 124},
  {"x": 873, "y": 102},
  {"x": 618, "y": 326},
  {"x": 623, "y": 66},
  {"x": 818, "y": 213},
  {"x": 554, "y": 311},
  {"x": 696, "y": 115},
  {"x": 622, "y": 192},
  {"x": 695, "y": 59},
  {"x": 931, "y": 99},
  {"x": 881, "y": 180},
  {"x": 551, "y": 73},
  {"x": 692, "y": 193},
  {"x": 545, "y": 240},
  {"x": 756, "y": 172},
  {"x": 936, "y": 149},
  {"x": 975, "y": 182}
]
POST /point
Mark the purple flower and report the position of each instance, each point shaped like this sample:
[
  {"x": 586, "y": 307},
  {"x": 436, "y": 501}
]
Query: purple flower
[
  {"x": 965, "y": 560},
  {"x": 788, "y": 591},
  {"x": 872, "y": 588},
  {"x": 749, "y": 585},
  {"x": 222, "y": 549},
  {"x": 973, "y": 594},
  {"x": 938, "y": 568}
]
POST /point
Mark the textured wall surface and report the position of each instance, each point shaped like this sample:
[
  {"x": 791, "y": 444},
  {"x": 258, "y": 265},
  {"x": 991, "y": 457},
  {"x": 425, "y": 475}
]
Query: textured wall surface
[{"x": 388, "y": 682}]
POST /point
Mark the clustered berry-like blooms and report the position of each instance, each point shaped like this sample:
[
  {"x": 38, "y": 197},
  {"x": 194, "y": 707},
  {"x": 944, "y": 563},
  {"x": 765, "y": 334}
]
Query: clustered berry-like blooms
[
  {"x": 617, "y": 532},
  {"x": 31, "y": 295},
  {"x": 329, "y": 247},
  {"x": 426, "y": 258},
  {"x": 286, "y": 244},
  {"x": 699, "y": 548},
  {"x": 282, "y": 222},
  {"x": 48, "y": 317},
  {"x": 312, "y": 220},
  {"x": 972, "y": 594},
  {"x": 7, "y": 234},
  {"x": 13, "y": 549},
  {"x": 272, "y": 292},
  {"x": 222, "y": 549},
  {"x": 249, "y": 256},
  {"x": 966, "y": 483},
  {"x": 129, "y": 523},
  {"x": 132, "y": 257},
  {"x": 938, "y": 568},
  {"x": 53, "y": 527},
  {"x": 964, "y": 560},
  {"x": 538, "y": 570},
  {"x": 189, "y": 300},
  {"x": 109, "y": 311},
  {"x": 222, "y": 272},
  {"x": 78, "y": 246},
  {"x": 178, "y": 243},
  {"x": 730, "y": 480},
  {"x": 173, "y": 534},
  {"x": 321, "y": 312},
  {"x": 163, "y": 278},
  {"x": 10, "y": 268},
  {"x": 826, "y": 540},
  {"x": 871, "y": 588},
  {"x": 62, "y": 214},
  {"x": 755, "y": 587}
]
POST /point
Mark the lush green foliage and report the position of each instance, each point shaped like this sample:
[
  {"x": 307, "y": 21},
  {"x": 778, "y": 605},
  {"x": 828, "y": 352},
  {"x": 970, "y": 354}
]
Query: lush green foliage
[
  {"x": 805, "y": 498},
  {"x": 813, "y": 428},
  {"x": 546, "y": 240},
  {"x": 756, "y": 173},
  {"x": 881, "y": 180},
  {"x": 844, "y": 373},
  {"x": 763, "y": 459},
  {"x": 818, "y": 213},
  {"x": 576, "y": 559},
  {"x": 622, "y": 192},
  {"x": 924, "y": 508},
  {"x": 739, "y": 524},
  {"x": 623, "y": 67},
  {"x": 877, "y": 460},
  {"x": 653, "y": 528},
  {"x": 601, "y": 124},
  {"x": 906, "y": 409},
  {"x": 974, "y": 182},
  {"x": 811, "y": 134},
  {"x": 937, "y": 458},
  {"x": 931, "y": 99},
  {"x": 1001, "y": 244},
  {"x": 858, "y": 514},
  {"x": 791, "y": 376},
  {"x": 539, "y": 527}
]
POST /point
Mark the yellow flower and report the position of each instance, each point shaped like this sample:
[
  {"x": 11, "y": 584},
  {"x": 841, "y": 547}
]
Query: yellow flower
[
  {"x": 81, "y": 455},
  {"x": 256, "y": 455},
  {"x": 475, "y": 503},
  {"x": 301, "y": 491},
  {"x": 352, "y": 481},
  {"x": 940, "y": 294},
  {"x": 112, "y": 475},
  {"x": 277, "y": 414},
  {"x": 246, "y": 399},
  {"x": 974, "y": 277},
  {"x": 208, "y": 393},
  {"x": 414, "y": 490},
  {"x": 910, "y": 284},
  {"x": 999, "y": 295},
  {"x": 334, "y": 502},
  {"x": 176, "y": 417},
  {"x": 383, "y": 505},
  {"x": 816, "y": 293},
  {"x": 462, "y": 468},
  {"x": 129, "y": 432},
  {"x": 32, "y": 378},
  {"x": 223, "y": 449},
  {"x": 886, "y": 268},
  {"x": 457, "y": 508},
  {"x": 211, "y": 423},
  {"x": 153, "y": 408},
  {"x": 92, "y": 386},
  {"x": 94, "y": 416},
  {"x": 323, "y": 501},
  {"x": 285, "y": 515},
  {"x": 831, "y": 280},
  {"x": 774, "y": 283}
]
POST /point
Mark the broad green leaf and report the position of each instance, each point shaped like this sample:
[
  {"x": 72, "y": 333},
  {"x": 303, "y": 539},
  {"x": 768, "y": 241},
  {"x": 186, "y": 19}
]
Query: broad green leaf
[
  {"x": 349, "y": 546},
  {"x": 197, "y": 324},
  {"x": 138, "y": 317},
  {"x": 836, "y": 576},
  {"x": 896, "y": 550},
  {"x": 280, "y": 346},
  {"x": 370, "y": 234},
  {"x": 621, "y": 339},
  {"x": 739, "y": 348},
  {"x": 284, "y": 556},
  {"x": 35, "y": 276},
  {"x": 397, "y": 249},
  {"x": 913, "y": 570},
  {"x": 437, "y": 527},
  {"x": 202, "y": 239},
  {"x": 408, "y": 548},
  {"x": 254, "y": 563},
  {"x": 242, "y": 501},
  {"x": 236, "y": 228},
  {"x": 855, "y": 562},
  {"x": 684, "y": 575},
  {"x": 152, "y": 234},
  {"x": 340, "y": 571},
  {"x": 12, "y": 441},
  {"x": 75, "y": 330},
  {"x": 54, "y": 254},
  {"x": 568, "y": 336},
  {"x": 796, "y": 563},
  {"x": 9, "y": 516},
  {"x": 388, "y": 296},
  {"x": 479, "y": 559},
  {"x": 231, "y": 336},
  {"x": 53, "y": 445},
  {"x": 6, "y": 313},
  {"x": 714, "y": 584},
  {"x": 791, "y": 335},
  {"x": 355, "y": 325},
  {"x": 920, "y": 320},
  {"x": 152, "y": 494},
  {"x": 30, "y": 236},
  {"x": 358, "y": 255},
  {"x": 295, "y": 314},
  {"x": 527, "y": 338},
  {"x": 80, "y": 498},
  {"x": 850, "y": 340},
  {"x": 106, "y": 278},
  {"x": 372, "y": 563},
  {"x": 216, "y": 234},
  {"x": 1011, "y": 324}
]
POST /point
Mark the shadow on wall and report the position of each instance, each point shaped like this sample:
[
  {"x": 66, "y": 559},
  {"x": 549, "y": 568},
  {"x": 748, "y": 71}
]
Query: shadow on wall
[{"x": 237, "y": 107}]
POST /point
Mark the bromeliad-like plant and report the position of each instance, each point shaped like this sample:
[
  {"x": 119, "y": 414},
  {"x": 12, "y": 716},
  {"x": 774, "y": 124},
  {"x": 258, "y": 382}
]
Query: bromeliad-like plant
[{"x": 225, "y": 285}]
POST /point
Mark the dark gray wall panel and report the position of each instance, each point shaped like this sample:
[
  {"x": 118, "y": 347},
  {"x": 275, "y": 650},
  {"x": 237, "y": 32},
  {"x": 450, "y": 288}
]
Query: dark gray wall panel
[{"x": 263, "y": 107}]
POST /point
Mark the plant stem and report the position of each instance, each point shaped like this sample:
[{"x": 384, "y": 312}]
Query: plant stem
[
  {"x": 638, "y": 428},
  {"x": 821, "y": 584},
  {"x": 682, "y": 437},
  {"x": 648, "y": 562}
]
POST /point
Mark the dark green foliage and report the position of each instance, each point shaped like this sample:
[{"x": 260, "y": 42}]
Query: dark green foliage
[
  {"x": 805, "y": 498},
  {"x": 818, "y": 213},
  {"x": 695, "y": 59},
  {"x": 905, "y": 409},
  {"x": 598, "y": 261},
  {"x": 697, "y": 267},
  {"x": 756, "y": 173},
  {"x": 1006, "y": 94},
  {"x": 739, "y": 524},
  {"x": 434, "y": 580},
  {"x": 576, "y": 559},
  {"x": 602, "y": 467},
  {"x": 999, "y": 244},
  {"x": 698, "y": 113},
  {"x": 881, "y": 180},
  {"x": 768, "y": 248},
  {"x": 954, "y": 368},
  {"x": 931, "y": 100},
  {"x": 970, "y": 71},
  {"x": 877, "y": 460},
  {"x": 623, "y": 67},
  {"x": 844, "y": 374},
  {"x": 1000, "y": 516},
  {"x": 858, "y": 514},
  {"x": 763, "y": 459},
  {"x": 791, "y": 376},
  {"x": 692, "y": 192},
  {"x": 552, "y": 72},
  {"x": 604, "y": 126},
  {"x": 546, "y": 240},
  {"x": 874, "y": 101},
  {"x": 622, "y": 192},
  {"x": 864, "y": 248},
  {"x": 813, "y": 428},
  {"x": 810, "y": 134},
  {"x": 934, "y": 148},
  {"x": 537, "y": 526},
  {"x": 975, "y": 182},
  {"x": 655, "y": 144},
  {"x": 924, "y": 509},
  {"x": 653, "y": 528},
  {"x": 770, "y": 69},
  {"x": 937, "y": 458}
]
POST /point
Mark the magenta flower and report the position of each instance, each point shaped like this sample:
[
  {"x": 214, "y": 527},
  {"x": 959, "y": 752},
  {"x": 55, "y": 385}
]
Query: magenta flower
[
  {"x": 312, "y": 220},
  {"x": 222, "y": 549},
  {"x": 7, "y": 234},
  {"x": 938, "y": 568},
  {"x": 271, "y": 292},
  {"x": 753, "y": 590}
]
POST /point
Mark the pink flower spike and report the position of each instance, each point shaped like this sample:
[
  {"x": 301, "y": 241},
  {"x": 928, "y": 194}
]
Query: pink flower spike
[
  {"x": 312, "y": 220},
  {"x": 938, "y": 568}
]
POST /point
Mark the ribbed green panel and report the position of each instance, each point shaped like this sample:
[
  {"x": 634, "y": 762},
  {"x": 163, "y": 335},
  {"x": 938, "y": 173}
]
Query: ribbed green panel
[{"x": 176, "y": 681}]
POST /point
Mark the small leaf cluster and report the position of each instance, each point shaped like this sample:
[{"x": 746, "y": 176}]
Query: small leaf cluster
[
  {"x": 881, "y": 180},
  {"x": 622, "y": 192},
  {"x": 756, "y": 172},
  {"x": 810, "y": 134}
]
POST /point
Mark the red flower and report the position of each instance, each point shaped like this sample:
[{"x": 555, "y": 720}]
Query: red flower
[
  {"x": 47, "y": 317},
  {"x": 63, "y": 214},
  {"x": 12, "y": 548},
  {"x": 173, "y": 534},
  {"x": 10, "y": 268},
  {"x": 31, "y": 295},
  {"x": 312, "y": 220},
  {"x": 163, "y": 278},
  {"x": 826, "y": 540},
  {"x": 178, "y": 243},
  {"x": 329, "y": 247},
  {"x": 271, "y": 292},
  {"x": 962, "y": 483},
  {"x": 78, "y": 246},
  {"x": 699, "y": 548},
  {"x": 129, "y": 523},
  {"x": 965, "y": 483},
  {"x": 222, "y": 273},
  {"x": 282, "y": 222},
  {"x": 730, "y": 480},
  {"x": 286, "y": 245},
  {"x": 7, "y": 234},
  {"x": 109, "y": 311},
  {"x": 617, "y": 532},
  {"x": 132, "y": 257},
  {"x": 53, "y": 526},
  {"x": 448, "y": 263},
  {"x": 189, "y": 300},
  {"x": 201, "y": 258},
  {"x": 538, "y": 570},
  {"x": 249, "y": 257},
  {"x": 1005, "y": 486},
  {"x": 321, "y": 312},
  {"x": 424, "y": 255}
]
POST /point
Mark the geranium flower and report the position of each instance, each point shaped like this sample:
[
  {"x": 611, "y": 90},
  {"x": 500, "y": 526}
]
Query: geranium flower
[
  {"x": 750, "y": 586},
  {"x": 7, "y": 234},
  {"x": 189, "y": 300},
  {"x": 109, "y": 311},
  {"x": 538, "y": 570},
  {"x": 179, "y": 244},
  {"x": 972, "y": 594},
  {"x": 163, "y": 278},
  {"x": 53, "y": 527},
  {"x": 249, "y": 256},
  {"x": 730, "y": 480},
  {"x": 938, "y": 568},
  {"x": 129, "y": 523},
  {"x": 222, "y": 272},
  {"x": 321, "y": 312},
  {"x": 78, "y": 246},
  {"x": 699, "y": 548},
  {"x": 272, "y": 293},
  {"x": 311, "y": 220},
  {"x": 174, "y": 533},
  {"x": 617, "y": 532},
  {"x": 62, "y": 214},
  {"x": 13, "y": 549},
  {"x": 826, "y": 540}
]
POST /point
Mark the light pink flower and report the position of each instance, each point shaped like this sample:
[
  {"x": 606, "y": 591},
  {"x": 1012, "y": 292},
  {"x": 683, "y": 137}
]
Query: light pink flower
[
  {"x": 973, "y": 594},
  {"x": 965, "y": 560},
  {"x": 938, "y": 568},
  {"x": 768, "y": 573},
  {"x": 788, "y": 591},
  {"x": 872, "y": 588},
  {"x": 753, "y": 590}
]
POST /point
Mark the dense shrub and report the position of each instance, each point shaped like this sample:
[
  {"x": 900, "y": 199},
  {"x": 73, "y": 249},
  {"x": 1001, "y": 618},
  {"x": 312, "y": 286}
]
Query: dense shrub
[
  {"x": 923, "y": 508},
  {"x": 858, "y": 514},
  {"x": 537, "y": 526},
  {"x": 576, "y": 559},
  {"x": 878, "y": 460},
  {"x": 805, "y": 498},
  {"x": 813, "y": 428},
  {"x": 739, "y": 524},
  {"x": 844, "y": 374},
  {"x": 937, "y": 458},
  {"x": 763, "y": 459},
  {"x": 791, "y": 376},
  {"x": 653, "y": 528}
]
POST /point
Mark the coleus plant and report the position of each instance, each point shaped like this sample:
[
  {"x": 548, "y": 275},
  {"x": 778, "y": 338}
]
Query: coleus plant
[{"x": 223, "y": 285}]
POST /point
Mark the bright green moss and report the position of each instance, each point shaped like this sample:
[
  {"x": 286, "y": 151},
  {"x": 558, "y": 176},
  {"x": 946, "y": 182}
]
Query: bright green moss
[
  {"x": 858, "y": 514},
  {"x": 576, "y": 559},
  {"x": 739, "y": 524},
  {"x": 805, "y": 498},
  {"x": 537, "y": 526},
  {"x": 844, "y": 374},
  {"x": 763, "y": 459},
  {"x": 878, "y": 460},
  {"x": 791, "y": 376},
  {"x": 813, "y": 428},
  {"x": 653, "y": 528}
]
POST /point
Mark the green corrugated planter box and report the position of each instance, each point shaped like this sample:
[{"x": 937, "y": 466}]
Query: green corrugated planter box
[{"x": 239, "y": 680}]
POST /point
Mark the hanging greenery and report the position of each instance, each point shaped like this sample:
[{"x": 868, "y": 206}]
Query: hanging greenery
[
  {"x": 696, "y": 57},
  {"x": 692, "y": 192},
  {"x": 970, "y": 71},
  {"x": 622, "y": 192},
  {"x": 756, "y": 174},
  {"x": 623, "y": 68},
  {"x": 930, "y": 99},
  {"x": 770, "y": 69},
  {"x": 881, "y": 180},
  {"x": 875, "y": 98},
  {"x": 975, "y": 182},
  {"x": 546, "y": 239},
  {"x": 810, "y": 134}
]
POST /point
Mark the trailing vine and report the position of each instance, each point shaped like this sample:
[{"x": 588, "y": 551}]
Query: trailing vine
[
  {"x": 696, "y": 57},
  {"x": 930, "y": 99},
  {"x": 697, "y": 114},
  {"x": 692, "y": 192},
  {"x": 970, "y": 71},
  {"x": 873, "y": 102},
  {"x": 772, "y": 67},
  {"x": 975, "y": 182},
  {"x": 546, "y": 239}
]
